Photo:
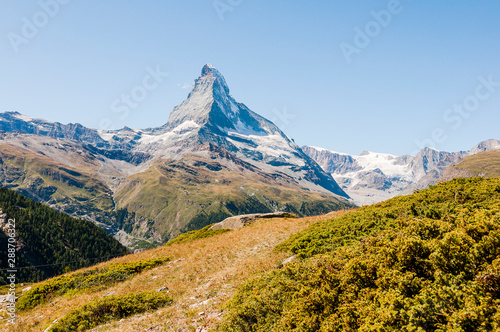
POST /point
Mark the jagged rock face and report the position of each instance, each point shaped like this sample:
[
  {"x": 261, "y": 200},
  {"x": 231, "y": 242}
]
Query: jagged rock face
[
  {"x": 332, "y": 162},
  {"x": 374, "y": 177},
  {"x": 428, "y": 165},
  {"x": 488, "y": 145},
  {"x": 213, "y": 158},
  {"x": 430, "y": 159},
  {"x": 210, "y": 104}
]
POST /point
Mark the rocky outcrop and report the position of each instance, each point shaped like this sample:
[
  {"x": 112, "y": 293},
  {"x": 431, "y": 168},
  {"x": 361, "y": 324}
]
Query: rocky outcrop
[
  {"x": 246, "y": 219},
  {"x": 488, "y": 145}
]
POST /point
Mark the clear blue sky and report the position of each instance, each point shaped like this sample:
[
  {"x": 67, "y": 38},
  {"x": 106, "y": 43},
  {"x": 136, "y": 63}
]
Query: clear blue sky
[{"x": 283, "y": 59}]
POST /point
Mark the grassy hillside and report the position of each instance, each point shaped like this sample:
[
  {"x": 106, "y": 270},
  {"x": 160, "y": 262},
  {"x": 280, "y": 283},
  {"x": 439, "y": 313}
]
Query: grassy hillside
[
  {"x": 72, "y": 179},
  {"x": 73, "y": 190},
  {"x": 50, "y": 240},
  {"x": 200, "y": 275},
  {"x": 425, "y": 262},
  {"x": 482, "y": 164}
]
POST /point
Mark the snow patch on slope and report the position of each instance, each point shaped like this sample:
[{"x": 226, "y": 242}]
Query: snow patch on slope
[
  {"x": 106, "y": 135},
  {"x": 22, "y": 117},
  {"x": 326, "y": 150},
  {"x": 370, "y": 161},
  {"x": 185, "y": 127},
  {"x": 385, "y": 162},
  {"x": 269, "y": 145},
  {"x": 181, "y": 130}
]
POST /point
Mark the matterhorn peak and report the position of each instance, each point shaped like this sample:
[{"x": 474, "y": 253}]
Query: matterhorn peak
[
  {"x": 208, "y": 69},
  {"x": 210, "y": 105},
  {"x": 209, "y": 89},
  {"x": 214, "y": 77}
]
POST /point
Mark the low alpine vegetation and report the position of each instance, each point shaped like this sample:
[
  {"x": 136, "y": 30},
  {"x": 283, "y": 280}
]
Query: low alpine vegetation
[
  {"x": 425, "y": 262},
  {"x": 94, "y": 279},
  {"x": 199, "y": 234},
  {"x": 110, "y": 308}
]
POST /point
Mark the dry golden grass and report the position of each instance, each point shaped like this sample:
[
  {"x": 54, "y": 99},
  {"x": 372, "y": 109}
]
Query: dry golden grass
[{"x": 201, "y": 276}]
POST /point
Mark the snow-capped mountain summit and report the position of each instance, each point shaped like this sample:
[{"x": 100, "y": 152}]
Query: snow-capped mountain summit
[
  {"x": 210, "y": 104},
  {"x": 209, "y": 88},
  {"x": 212, "y": 112},
  {"x": 211, "y": 115}
]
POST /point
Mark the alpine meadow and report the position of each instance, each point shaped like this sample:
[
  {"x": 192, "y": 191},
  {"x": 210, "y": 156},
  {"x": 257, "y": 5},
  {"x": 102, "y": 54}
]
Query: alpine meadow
[{"x": 249, "y": 166}]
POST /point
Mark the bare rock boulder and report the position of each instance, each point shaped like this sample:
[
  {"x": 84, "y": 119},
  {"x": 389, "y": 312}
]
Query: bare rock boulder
[{"x": 236, "y": 222}]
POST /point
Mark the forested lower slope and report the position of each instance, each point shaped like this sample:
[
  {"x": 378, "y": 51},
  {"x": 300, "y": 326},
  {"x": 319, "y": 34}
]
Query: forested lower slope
[{"x": 48, "y": 242}]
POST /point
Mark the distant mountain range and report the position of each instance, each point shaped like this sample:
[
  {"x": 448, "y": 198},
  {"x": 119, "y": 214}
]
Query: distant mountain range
[
  {"x": 213, "y": 158},
  {"x": 373, "y": 177}
]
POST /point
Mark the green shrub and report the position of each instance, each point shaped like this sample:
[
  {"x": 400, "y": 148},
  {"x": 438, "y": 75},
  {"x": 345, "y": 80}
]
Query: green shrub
[
  {"x": 430, "y": 263},
  {"x": 199, "y": 234},
  {"x": 101, "y": 277},
  {"x": 326, "y": 235},
  {"x": 110, "y": 308},
  {"x": 442, "y": 201}
]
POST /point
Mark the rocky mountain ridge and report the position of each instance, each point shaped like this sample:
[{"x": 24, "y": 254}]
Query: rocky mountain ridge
[{"x": 373, "y": 177}]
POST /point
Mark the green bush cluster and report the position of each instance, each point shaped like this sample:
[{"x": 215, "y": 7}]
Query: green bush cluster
[
  {"x": 425, "y": 262},
  {"x": 199, "y": 234},
  {"x": 97, "y": 278},
  {"x": 110, "y": 308},
  {"x": 326, "y": 235}
]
